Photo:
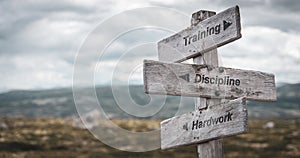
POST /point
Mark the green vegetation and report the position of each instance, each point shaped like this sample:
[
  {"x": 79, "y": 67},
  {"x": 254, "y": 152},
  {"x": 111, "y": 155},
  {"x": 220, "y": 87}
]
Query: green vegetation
[{"x": 48, "y": 138}]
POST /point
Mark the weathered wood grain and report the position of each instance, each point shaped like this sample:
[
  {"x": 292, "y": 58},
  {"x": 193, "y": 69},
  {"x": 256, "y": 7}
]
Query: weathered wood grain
[
  {"x": 220, "y": 120},
  {"x": 187, "y": 80},
  {"x": 208, "y": 34},
  {"x": 213, "y": 148}
]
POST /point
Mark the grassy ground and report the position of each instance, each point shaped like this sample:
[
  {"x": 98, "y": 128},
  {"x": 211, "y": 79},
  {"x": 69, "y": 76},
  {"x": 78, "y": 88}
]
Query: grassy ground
[{"x": 58, "y": 138}]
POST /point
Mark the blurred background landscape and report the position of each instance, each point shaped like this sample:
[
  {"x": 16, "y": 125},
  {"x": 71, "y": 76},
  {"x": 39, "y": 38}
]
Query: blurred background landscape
[
  {"x": 42, "y": 56},
  {"x": 59, "y": 103},
  {"x": 44, "y": 123}
]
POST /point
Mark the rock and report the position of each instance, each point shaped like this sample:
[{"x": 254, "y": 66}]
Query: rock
[
  {"x": 269, "y": 125},
  {"x": 87, "y": 121},
  {"x": 295, "y": 133},
  {"x": 3, "y": 125}
]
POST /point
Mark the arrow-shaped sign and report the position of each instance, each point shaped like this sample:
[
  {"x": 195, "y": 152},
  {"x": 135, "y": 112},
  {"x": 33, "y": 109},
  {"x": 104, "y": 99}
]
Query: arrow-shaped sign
[
  {"x": 217, "y": 121},
  {"x": 205, "y": 81},
  {"x": 209, "y": 34}
]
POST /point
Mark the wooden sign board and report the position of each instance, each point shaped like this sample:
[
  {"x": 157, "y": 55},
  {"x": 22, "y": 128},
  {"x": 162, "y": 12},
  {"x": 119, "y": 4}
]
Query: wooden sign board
[
  {"x": 206, "y": 81},
  {"x": 221, "y": 120},
  {"x": 209, "y": 34}
]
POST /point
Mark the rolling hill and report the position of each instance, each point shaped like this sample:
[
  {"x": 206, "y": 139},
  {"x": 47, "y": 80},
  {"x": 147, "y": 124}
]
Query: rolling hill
[{"x": 59, "y": 103}]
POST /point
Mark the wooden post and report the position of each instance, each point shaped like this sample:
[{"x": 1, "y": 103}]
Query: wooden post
[{"x": 211, "y": 149}]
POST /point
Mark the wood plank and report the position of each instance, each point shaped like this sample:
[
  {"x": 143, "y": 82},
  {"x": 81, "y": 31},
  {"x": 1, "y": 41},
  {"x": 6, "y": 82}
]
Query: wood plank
[
  {"x": 218, "y": 121},
  {"x": 206, "y": 81},
  {"x": 208, "y": 34}
]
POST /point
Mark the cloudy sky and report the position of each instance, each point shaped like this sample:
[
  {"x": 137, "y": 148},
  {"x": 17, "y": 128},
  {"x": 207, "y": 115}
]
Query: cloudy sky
[{"x": 41, "y": 40}]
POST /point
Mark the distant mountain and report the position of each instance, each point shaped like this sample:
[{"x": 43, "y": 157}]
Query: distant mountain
[
  {"x": 287, "y": 105},
  {"x": 40, "y": 103},
  {"x": 280, "y": 84},
  {"x": 60, "y": 103}
]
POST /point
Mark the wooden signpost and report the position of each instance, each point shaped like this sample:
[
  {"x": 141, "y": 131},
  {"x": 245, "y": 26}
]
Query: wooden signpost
[
  {"x": 217, "y": 121},
  {"x": 207, "y": 81},
  {"x": 209, "y": 34},
  {"x": 211, "y": 119}
]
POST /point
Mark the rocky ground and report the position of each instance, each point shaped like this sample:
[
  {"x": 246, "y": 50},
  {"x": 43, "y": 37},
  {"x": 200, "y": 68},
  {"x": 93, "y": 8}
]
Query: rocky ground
[{"x": 24, "y": 137}]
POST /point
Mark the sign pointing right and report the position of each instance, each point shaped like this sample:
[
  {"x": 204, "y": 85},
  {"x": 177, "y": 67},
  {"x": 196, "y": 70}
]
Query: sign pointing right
[{"x": 209, "y": 34}]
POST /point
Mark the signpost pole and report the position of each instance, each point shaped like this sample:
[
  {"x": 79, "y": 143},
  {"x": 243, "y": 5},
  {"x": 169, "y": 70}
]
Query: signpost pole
[
  {"x": 200, "y": 41},
  {"x": 214, "y": 148}
]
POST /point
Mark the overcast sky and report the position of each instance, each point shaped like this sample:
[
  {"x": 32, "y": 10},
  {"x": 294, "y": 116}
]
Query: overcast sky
[{"x": 39, "y": 40}]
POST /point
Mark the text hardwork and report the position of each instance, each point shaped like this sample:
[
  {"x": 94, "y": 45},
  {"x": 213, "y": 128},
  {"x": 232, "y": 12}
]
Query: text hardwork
[
  {"x": 212, "y": 121},
  {"x": 202, "y": 34},
  {"x": 226, "y": 80}
]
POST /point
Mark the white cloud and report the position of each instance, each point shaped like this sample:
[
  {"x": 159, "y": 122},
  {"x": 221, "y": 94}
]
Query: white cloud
[
  {"x": 266, "y": 49},
  {"x": 34, "y": 72},
  {"x": 39, "y": 39}
]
